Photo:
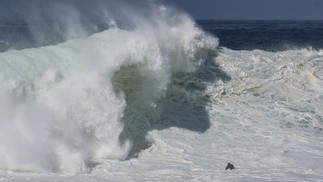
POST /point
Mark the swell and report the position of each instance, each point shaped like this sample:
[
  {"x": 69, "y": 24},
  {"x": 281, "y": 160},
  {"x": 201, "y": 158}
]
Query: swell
[{"x": 274, "y": 36}]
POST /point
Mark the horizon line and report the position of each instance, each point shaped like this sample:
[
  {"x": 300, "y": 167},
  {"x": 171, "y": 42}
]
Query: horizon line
[{"x": 215, "y": 19}]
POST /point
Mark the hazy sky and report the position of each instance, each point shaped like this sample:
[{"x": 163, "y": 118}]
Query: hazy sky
[{"x": 252, "y": 9}]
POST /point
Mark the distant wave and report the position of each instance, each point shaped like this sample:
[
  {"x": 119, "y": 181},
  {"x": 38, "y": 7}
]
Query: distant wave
[{"x": 267, "y": 35}]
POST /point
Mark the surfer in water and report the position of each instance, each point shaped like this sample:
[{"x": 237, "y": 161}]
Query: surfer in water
[{"x": 229, "y": 166}]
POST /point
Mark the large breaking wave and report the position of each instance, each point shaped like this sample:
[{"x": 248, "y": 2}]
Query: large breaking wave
[{"x": 63, "y": 107}]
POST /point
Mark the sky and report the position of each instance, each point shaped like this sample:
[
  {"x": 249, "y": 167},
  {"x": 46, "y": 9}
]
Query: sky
[
  {"x": 206, "y": 9},
  {"x": 252, "y": 9}
]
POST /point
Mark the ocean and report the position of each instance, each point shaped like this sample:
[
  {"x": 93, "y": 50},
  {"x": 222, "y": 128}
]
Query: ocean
[{"x": 150, "y": 94}]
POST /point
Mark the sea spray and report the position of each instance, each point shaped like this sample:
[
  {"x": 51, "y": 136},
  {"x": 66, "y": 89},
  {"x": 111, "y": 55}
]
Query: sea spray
[{"x": 62, "y": 106}]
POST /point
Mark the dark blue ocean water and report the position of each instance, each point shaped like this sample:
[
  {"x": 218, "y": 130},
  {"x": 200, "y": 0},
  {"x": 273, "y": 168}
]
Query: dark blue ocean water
[
  {"x": 236, "y": 35},
  {"x": 266, "y": 35}
]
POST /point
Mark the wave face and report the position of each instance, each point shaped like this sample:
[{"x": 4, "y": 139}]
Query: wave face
[{"x": 64, "y": 107}]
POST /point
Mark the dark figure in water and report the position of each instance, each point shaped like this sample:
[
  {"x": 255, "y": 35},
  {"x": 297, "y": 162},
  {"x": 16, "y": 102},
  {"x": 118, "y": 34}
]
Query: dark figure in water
[{"x": 229, "y": 166}]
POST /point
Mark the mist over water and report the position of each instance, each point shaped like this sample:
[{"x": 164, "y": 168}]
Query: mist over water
[{"x": 39, "y": 23}]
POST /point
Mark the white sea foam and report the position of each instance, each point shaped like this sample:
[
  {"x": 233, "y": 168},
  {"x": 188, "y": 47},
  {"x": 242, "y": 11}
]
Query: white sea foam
[
  {"x": 266, "y": 120},
  {"x": 269, "y": 128}
]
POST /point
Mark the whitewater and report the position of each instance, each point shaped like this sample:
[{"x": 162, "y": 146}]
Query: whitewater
[{"x": 146, "y": 94}]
